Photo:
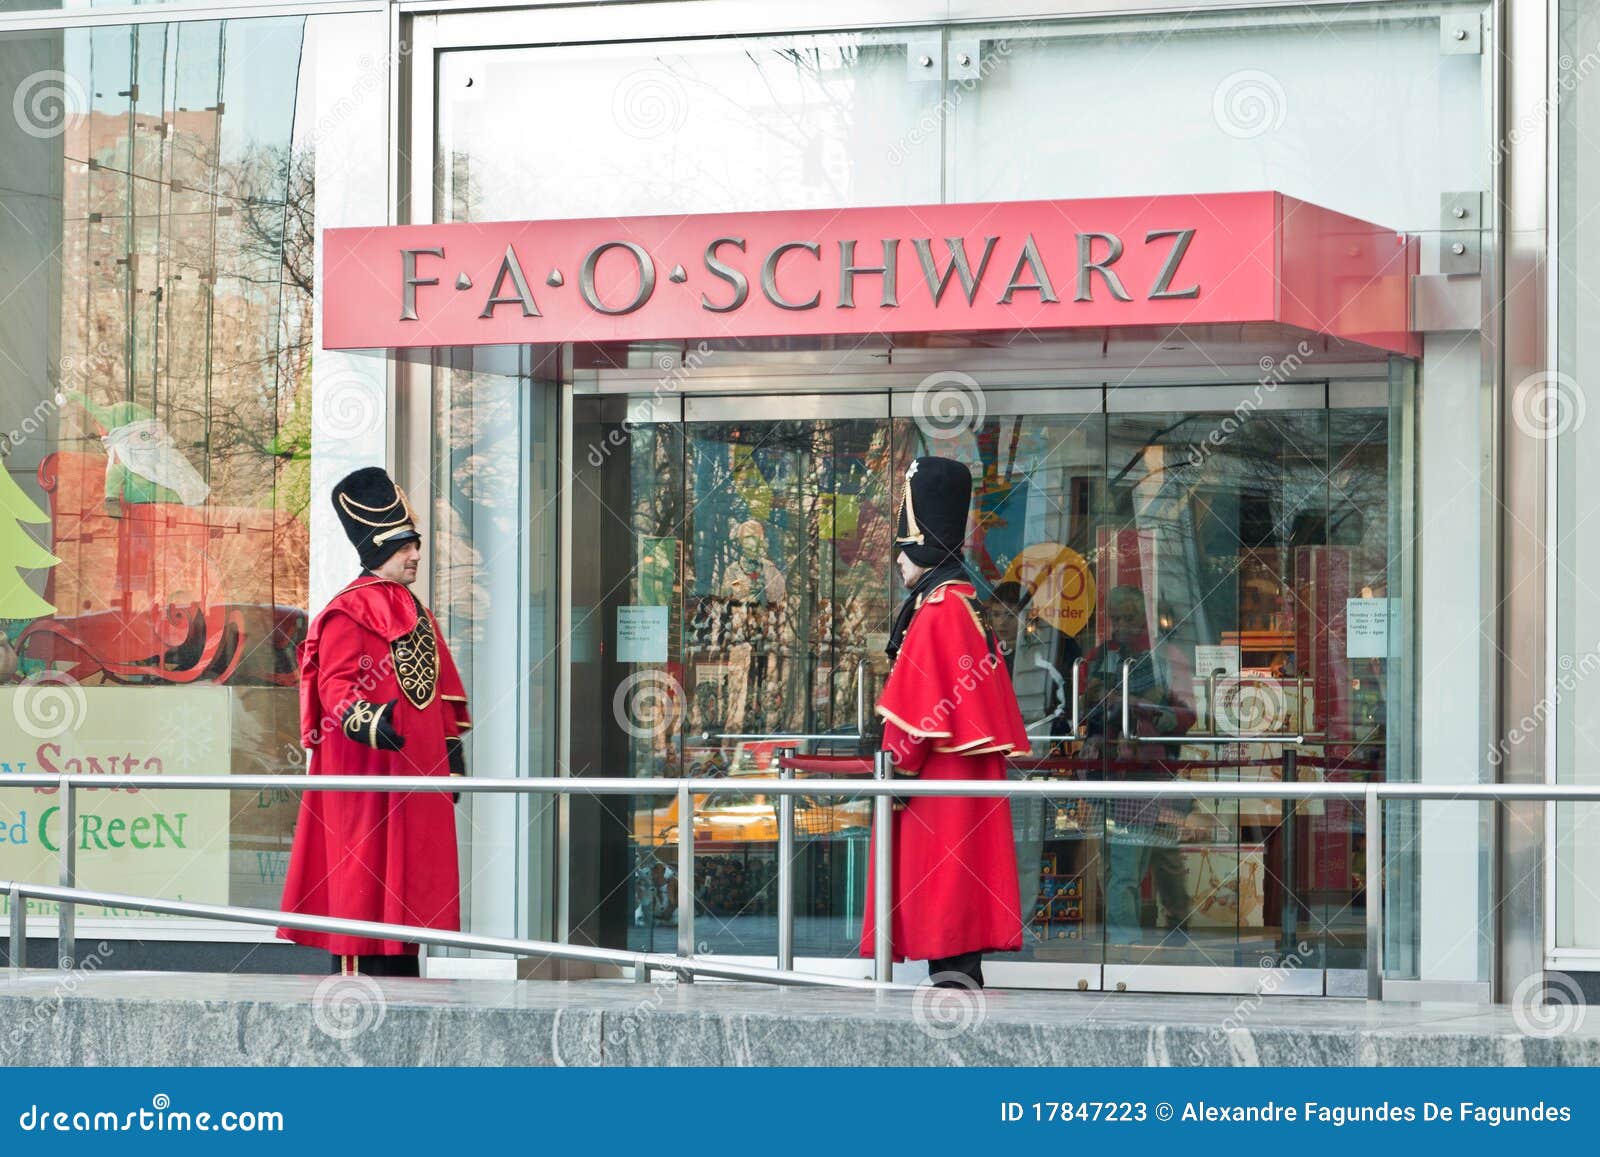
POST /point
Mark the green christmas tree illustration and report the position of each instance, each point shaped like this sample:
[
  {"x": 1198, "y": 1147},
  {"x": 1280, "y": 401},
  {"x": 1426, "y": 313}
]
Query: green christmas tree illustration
[{"x": 19, "y": 552}]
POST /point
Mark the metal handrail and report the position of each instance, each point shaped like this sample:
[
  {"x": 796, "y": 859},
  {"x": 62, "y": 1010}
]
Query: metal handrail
[
  {"x": 882, "y": 789},
  {"x": 785, "y": 736},
  {"x": 743, "y": 785},
  {"x": 641, "y": 962}
]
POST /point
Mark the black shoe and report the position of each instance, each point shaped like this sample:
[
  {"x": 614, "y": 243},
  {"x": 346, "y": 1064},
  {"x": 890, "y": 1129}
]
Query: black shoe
[
  {"x": 404, "y": 964},
  {"x": 962, "y": 971}
]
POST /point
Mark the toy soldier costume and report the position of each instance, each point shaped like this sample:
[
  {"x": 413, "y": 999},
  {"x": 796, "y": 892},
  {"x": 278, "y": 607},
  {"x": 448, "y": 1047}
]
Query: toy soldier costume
[
  {"x": 379, "y": 695},
  {"x": 949, "y": 712}
]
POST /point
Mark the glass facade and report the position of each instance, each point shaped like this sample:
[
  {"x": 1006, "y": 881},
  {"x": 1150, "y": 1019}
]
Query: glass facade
[
  {"x": 760, "y": 548},
  {"x": 158, "y": 244},
  {"x": 495, "y": 486},
  {"x": 776, "y": 123},
  {"x": 658, "y": 560},
  {"x": 705, "y": 126}
]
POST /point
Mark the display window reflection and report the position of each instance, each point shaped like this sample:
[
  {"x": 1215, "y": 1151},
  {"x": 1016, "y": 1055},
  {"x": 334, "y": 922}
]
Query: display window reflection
[
  {"x": 155, "y": 502},
  {"x": 1233, "y": 591}
]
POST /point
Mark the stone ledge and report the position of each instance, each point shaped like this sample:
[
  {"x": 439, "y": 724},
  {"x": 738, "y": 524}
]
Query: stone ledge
[{"x": 129, "y": 1018}]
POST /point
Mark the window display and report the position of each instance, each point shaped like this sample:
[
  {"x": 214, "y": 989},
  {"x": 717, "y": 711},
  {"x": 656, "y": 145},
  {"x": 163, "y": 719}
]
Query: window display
[
  {"x": 1221, "y": 580},
  {"x": 156, "y": 452}
]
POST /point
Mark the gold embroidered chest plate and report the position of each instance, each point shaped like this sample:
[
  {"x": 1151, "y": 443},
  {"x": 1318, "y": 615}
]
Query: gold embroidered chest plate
[{"x": 416, "y": 661}]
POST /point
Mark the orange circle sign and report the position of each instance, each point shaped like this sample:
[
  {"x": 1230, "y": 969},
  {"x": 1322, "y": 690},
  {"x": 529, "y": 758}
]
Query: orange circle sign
[{"x": 1058, "y": 584}]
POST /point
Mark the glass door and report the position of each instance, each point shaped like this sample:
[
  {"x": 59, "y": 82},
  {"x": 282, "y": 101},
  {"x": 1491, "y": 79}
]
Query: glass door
[
  {"x": 1038, "y": 461},
  {"x": 1183, "y": 591},
  {"x": 784, "y": 589},
  {"x": 738, "y": 567},
  {"x": 1236, "y": 562}
]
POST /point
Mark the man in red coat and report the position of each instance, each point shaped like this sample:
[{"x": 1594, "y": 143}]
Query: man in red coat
[
  {"x": 948, "y": 713},
  {"x": 379, "y": 695}
]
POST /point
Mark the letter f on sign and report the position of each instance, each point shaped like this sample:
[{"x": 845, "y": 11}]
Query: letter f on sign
[{"x": 410, "y": 280}]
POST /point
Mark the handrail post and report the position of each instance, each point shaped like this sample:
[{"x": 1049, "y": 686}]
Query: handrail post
[
  {"x": 1375, "y": 869},
  {"x": 863, "y": 666},
  {"x": 882, "y": 872},
  {"x": 19, "y": 929},
  {"x": 1077, "y": 691},
  {"x": 1288, "y": 923},
  {"x": 1211, "y": 699},
  {"x": 1127, "y": 722},
  {"x": 685, "y": 877},
  {"x": 785, "y": 884},
  {"x": 66, "y": 931}
]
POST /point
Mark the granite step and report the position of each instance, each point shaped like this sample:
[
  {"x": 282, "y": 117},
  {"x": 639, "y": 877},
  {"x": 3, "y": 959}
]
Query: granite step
[{"x": 151, "y": 1018}]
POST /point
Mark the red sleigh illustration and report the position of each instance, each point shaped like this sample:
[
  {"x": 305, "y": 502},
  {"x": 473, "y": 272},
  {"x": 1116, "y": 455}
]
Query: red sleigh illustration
[{"x": 166, "y": 593}]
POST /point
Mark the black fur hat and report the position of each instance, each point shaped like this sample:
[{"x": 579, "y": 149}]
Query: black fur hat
[
  {"x": 932, "y": 525},
  {"x": 375, "y": 515}
]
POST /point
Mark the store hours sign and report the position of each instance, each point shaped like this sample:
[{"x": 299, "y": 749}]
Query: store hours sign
[
  {"x": 172, "y": 844},
  {"x": 1227, "y": 258}
]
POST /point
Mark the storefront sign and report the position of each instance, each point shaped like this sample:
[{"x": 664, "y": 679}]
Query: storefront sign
[
  {"x": 642, "y": 634},
  {"x": 172, "y": 844},
  {"x": 1366, "y": 628},
  {"x": 1211, "y": 658},
  {"x": 1226, "y": 258}
]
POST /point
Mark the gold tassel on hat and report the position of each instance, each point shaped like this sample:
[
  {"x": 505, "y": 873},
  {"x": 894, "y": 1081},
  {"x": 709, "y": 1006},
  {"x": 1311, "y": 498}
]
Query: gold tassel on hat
[{"x": 915, "y": 535}]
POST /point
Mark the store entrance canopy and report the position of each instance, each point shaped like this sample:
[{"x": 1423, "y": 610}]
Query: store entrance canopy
[{"x": 1190, "y": 261}]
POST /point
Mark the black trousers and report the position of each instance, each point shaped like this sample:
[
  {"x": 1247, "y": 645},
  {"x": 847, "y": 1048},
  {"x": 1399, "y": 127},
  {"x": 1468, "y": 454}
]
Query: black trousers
[
  {"x": 967, "y": 964},
  {"x": 407, "y": 964}
]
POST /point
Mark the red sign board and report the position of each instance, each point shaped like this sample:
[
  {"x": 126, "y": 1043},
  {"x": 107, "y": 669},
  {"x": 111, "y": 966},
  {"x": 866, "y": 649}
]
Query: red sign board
[{"x": 1224, "y": 258}]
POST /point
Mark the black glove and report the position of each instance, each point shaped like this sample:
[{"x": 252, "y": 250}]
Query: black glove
[
  {"x": 455, "y": 750},
  {"x": 373, "y": 724}
]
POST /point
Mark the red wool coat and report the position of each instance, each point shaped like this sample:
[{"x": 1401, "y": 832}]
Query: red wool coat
[
  {"x": 382, "y": 856},
  {"x": 949, "y": 712}
]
